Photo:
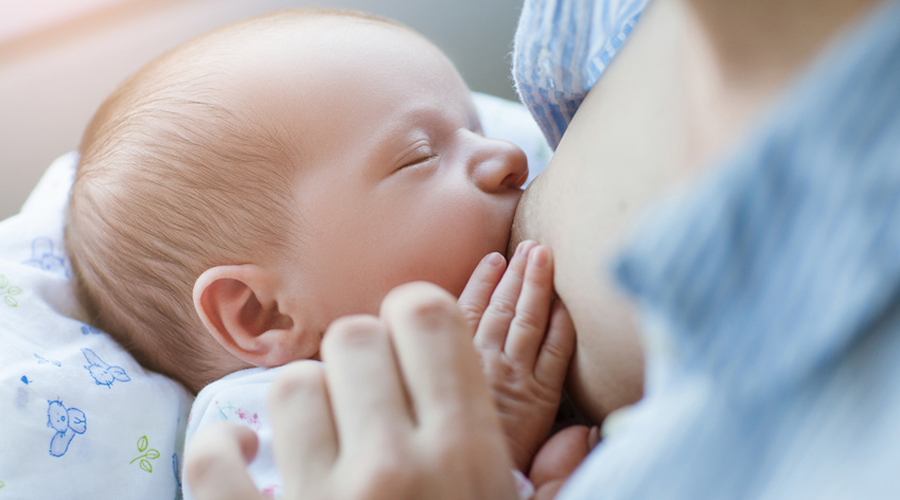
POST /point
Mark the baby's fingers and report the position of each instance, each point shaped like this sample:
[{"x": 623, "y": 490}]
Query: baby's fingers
[
  {"x": 501, "y": 309},
  {"x": 475, "y": 297},
  {"x": 526, "y": 332},
  {"x": 557, "y": 350}
]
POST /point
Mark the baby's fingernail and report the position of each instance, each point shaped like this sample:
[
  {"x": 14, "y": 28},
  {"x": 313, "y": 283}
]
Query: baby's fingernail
[
  {"x": 494, "y": 259},
  {"x": 524, "y": 246},
  {"x": 538, "y": 257}
]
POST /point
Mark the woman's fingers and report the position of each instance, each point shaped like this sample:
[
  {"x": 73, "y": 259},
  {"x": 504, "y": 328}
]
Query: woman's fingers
[
  {"x": 499, "y": 314},
  {"x": 526, "y": 332},
  {"x": 475, "y": 297},
  {"x": 439, "y": 366},
  {"x": 216, "y": 463},
  {"x": 396, "y": 400},
  {"x": 367, "y": 393},
  {"x": 300, "y": 411},
  {"x": 457, "y": 423}
]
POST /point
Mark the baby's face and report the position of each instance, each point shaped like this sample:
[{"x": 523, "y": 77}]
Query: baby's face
[{"x": 394, "y": 180}]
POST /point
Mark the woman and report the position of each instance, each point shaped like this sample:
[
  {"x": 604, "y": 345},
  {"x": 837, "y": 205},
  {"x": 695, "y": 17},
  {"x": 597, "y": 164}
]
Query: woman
[{"x": 766, "y": 280}]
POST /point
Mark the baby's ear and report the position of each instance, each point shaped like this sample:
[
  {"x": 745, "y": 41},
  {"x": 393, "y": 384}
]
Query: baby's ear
[{"x": 239, "y": 305}]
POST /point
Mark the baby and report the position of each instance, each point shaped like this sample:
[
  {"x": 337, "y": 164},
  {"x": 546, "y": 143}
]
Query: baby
[{"x": 242, "y": 191}]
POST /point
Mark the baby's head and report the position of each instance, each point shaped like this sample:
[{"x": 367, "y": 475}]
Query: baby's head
[{"x": 242, "y": 191}]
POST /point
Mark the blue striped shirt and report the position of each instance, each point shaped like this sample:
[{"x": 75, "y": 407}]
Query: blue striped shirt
[
  {"x": 561, "y": 48},
  {"x": 770, "y": 297}
]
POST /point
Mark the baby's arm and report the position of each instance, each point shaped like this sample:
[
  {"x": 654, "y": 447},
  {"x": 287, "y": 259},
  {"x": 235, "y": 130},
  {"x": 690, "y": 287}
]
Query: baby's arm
[{"x": 525, "y": 340}]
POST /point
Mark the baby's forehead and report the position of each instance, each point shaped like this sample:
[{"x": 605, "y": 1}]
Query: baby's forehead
[
  {"x": 301, "y": 30},
  {"x": 266, "y": 51},
  {"x": 299, "y": 55},
  {"x": 277, "y": 76}
]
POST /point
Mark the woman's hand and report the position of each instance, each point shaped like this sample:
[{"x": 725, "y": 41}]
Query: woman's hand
[{"x": 398, "y": 410}]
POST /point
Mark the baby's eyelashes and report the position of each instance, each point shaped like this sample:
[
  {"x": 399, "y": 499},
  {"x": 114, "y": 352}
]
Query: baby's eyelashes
[
  {"x": 420, "y": 161},
  {"x": 419, "y": 165}
]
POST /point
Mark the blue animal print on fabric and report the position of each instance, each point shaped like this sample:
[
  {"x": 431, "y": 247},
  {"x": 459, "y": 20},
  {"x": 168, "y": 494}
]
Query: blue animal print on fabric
[
  {"x": 103, "y": 373},
  {"x": 43, "y": 256},
  {"x": 88, "y": 329},
  {"x": 43, "y": 361},
  {"x": 67, "y": 422},
  {"x": 177, "y": 470}
]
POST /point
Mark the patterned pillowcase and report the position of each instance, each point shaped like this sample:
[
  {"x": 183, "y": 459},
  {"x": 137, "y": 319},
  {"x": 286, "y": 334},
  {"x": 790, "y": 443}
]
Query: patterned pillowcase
[{"x": 80, "y": 416}]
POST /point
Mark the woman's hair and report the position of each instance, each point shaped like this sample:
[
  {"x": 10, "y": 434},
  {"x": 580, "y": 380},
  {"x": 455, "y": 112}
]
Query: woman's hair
[{"x": 174, "y": 179}]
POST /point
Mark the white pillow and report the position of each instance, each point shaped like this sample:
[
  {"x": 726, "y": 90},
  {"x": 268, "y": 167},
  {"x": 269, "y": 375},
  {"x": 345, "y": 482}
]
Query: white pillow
[{"x": 81, "y": 418}]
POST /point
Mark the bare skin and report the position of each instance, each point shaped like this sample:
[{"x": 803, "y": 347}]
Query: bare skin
[
  {"x": 691, "y": 110},
  {"x": 689, "y": 82}
]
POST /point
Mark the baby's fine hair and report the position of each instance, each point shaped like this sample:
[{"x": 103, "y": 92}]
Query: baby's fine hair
[{"x": 173, "y": 179}]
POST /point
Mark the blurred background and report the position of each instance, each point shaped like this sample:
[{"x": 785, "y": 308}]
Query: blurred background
[{"x": 60, "y": 58}]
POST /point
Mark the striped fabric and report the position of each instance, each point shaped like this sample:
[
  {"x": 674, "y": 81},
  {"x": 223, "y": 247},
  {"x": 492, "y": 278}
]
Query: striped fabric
[
  {"x": 770, "y": 291},
  {"x": 561, "y": 48}
]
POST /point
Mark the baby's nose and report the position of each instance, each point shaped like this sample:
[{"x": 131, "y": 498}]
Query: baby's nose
[{"x": 501, "y": 165}]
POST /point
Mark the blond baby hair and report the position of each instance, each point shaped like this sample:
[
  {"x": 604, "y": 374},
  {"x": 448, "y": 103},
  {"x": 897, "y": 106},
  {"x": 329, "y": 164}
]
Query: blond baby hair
[{"x": 173, "y": 179}]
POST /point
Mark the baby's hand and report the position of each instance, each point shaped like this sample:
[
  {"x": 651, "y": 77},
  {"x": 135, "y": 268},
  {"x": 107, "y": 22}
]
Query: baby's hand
[{"x": 525, "y": 340}]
